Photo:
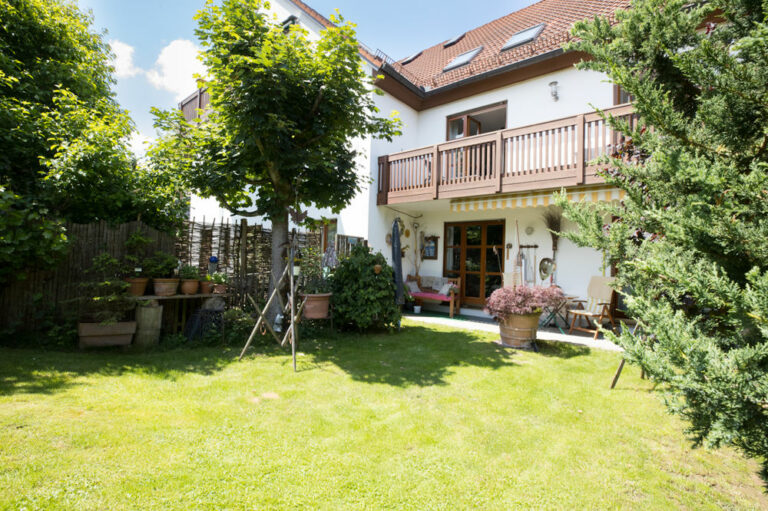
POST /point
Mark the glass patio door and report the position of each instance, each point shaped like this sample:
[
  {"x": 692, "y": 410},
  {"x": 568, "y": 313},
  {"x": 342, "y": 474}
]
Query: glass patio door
[{"x": 474, "y": 251}]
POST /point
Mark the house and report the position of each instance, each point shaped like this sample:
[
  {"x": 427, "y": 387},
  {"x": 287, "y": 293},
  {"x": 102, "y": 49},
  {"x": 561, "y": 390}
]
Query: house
[{"x": 495, "y": 120}]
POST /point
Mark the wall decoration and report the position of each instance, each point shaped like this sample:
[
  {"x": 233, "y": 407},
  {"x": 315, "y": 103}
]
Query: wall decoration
[{"x": 429, "y": 250}]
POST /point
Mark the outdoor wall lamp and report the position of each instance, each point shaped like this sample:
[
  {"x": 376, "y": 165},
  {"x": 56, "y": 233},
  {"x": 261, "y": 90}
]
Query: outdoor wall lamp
[{"x": 553, "y": 90}]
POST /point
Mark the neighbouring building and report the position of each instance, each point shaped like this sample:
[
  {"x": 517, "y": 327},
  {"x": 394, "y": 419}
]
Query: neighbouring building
[{"x": 495, "y": 121}]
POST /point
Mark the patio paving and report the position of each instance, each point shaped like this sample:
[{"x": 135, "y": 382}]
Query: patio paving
[{"x": 544, "y": 334}]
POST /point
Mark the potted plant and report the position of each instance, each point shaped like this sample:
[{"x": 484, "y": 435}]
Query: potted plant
[
  {"x": 160, "y": 267},
  {"x": 135, "y": 276},
  {"x": 190, "y": 279},
  {"x": 219, "y": 281},
  {"x": 102, "y": 316},
  {"x": 206, "y": 286},
  {"x": 517, "y": 309},
  {"x": 314, "y": 284}
]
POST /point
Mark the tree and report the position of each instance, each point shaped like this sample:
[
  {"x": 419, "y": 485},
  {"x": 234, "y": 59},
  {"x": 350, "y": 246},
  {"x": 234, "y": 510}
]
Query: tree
[
  {"x": 283, "y": 113},
  {"x": 690, "y": 241},
  {"x": 64, "y": 137}
]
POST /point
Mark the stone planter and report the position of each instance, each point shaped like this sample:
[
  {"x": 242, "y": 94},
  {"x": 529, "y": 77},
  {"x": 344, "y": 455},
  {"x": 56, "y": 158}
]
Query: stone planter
[
  {"x": 317, "y": 306},
  {"x": 111, "y": 334},
  {"x": 165, "y": 287},
  {"x": 519, "y": 330},
  {"x": 219, "y": 289},
  {"x": 137, "y": 286},
  {"x": 206, "y": 287},
  {"x": 189, "y": 286},
  {"x": 149, "y": 321}
]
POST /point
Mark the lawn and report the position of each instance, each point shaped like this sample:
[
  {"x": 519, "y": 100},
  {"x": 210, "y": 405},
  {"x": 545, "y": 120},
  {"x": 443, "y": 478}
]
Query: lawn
[{"x": 427, "y": 418}]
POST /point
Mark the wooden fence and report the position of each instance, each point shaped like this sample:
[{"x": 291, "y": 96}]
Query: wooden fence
[{"x": 243, "y": 253}]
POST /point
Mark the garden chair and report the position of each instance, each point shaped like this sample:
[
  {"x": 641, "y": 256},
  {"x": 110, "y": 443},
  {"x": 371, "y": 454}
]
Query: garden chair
[
  {"x": 439, "y": 289},
  {"x": 596, "y": 308}
]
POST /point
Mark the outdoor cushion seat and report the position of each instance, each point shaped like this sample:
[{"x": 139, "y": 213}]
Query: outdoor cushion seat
[{"x": 432, "y": 291}]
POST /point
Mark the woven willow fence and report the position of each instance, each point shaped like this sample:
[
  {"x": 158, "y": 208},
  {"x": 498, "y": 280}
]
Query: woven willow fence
[{"x": 243, "y": 253}]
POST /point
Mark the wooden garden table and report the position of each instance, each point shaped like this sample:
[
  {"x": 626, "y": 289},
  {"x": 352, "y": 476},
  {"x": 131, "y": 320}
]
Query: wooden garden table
[{"x": 178, "y": 315}]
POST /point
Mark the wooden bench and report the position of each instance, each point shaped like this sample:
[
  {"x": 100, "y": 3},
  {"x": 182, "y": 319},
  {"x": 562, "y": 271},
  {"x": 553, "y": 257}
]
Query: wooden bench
[{"x": 429, "y": 293}]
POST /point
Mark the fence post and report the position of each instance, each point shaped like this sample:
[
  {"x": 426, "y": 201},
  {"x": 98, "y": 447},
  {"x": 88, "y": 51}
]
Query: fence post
[{"x": 580, "y": 141}]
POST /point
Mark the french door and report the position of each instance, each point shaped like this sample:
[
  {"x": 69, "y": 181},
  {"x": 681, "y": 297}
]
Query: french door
[{"x": 474, "y": 251}]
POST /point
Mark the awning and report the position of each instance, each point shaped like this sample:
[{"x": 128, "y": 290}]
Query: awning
[{"x": 533, "y": 199}]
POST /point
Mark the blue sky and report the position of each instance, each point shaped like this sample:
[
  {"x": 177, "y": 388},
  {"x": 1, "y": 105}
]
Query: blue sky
[{"x": 156, "y": 46}]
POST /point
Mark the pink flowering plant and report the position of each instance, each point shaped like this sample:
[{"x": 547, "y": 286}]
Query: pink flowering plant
[{"x": 507, "y": 301}]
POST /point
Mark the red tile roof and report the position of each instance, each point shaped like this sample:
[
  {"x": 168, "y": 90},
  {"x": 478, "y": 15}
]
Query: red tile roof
[{"x": 426, "y": 70}]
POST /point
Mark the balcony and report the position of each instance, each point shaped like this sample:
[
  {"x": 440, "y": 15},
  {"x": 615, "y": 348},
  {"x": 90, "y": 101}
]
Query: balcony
[{"x": 542, "y": 156}]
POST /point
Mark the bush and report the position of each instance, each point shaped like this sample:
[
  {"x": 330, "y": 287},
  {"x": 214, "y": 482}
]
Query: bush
[
  {"x": 508, "y": 301},
  {"x": 362, "y": 298}
]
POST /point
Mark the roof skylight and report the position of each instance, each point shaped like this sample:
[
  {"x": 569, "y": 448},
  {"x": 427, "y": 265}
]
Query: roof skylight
[
  {"x": 454, "y": 40},
  {"x": 524, "y": 36},
  {"x": 411, "y": 58},
  {"x": 463, "y": 59}
]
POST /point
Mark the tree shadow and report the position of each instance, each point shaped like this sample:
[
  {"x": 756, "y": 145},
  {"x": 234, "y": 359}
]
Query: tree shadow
[
  {"x": 416, "y": 356},
  {"x": 24, "y": 371},
  {"x": 562, "y": 349}
]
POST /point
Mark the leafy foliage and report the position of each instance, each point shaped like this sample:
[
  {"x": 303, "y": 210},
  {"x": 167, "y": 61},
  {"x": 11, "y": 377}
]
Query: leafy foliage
[
  {"x": 106, "y": 300},
  {"x": 312, "y": 277},
  {"x": 64, "y": 137},
  {"x": 508, "y": 301},
  {"x": 362, "y": 298},
  {"x": 160, "y": 265},
  {"x": 691, "y": 240}
]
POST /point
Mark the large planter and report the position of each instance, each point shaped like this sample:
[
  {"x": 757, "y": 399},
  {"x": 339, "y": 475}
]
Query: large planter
[
  {"x": 206, "y": 287},
  {"x": 137, "y": 286},
  {"x": 165, "y": 287},
  {"x": 111, "y": 334},
  {"x": 519, "y": 330},
  {"x": 189, "y": 286},
  {"x": 149, "y": 321},
  {"x": 317, "y": 306}
]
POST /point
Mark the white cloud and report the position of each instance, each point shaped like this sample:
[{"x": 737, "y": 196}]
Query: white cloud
[
  {"x": 123, "y": 61},
  {"x": 175, "y": 68},
  {"x": 138, "y": 143}
]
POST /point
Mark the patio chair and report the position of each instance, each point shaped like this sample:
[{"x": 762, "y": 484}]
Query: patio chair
[
  {"x": 596, "y": 309},
  {"x": 429, "y": 288}
]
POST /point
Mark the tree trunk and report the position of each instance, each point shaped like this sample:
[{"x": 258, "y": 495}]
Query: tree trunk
[{"x": 279, "y": 251}]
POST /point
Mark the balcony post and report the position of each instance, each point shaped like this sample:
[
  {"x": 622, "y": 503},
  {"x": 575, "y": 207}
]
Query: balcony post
[
  {"x": 499, "y": 160},
  {"x": 383, "y": 195},
  {"x": 436, "y": 171},
  {"x": 580, "y": 141}
]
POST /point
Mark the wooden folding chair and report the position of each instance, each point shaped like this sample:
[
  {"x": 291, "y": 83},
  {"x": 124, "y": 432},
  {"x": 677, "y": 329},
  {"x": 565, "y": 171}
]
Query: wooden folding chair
[{"x": 597, "y": 308}]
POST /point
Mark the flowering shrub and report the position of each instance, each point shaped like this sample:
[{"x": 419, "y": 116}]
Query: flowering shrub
[{"x": 507, "y": 301}]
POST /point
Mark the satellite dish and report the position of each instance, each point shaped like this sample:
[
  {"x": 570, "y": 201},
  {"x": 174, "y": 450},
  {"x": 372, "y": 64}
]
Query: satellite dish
[{"x": 546, "y": 268}]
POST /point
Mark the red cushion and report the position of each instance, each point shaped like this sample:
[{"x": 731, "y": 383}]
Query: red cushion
[{"x": 431, "y": 296}]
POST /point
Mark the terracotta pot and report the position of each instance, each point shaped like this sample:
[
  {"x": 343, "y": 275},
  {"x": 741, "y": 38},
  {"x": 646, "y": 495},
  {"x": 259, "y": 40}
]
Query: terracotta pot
[
  {"x": 377, "y": 269},
  {"x": 165, "y": 287},
  {"x": 113, "y": 334},
  {"x": 317, "y": 306},
  {"x": 206, "y": 287},
  {"x": 219, "y": 289},
  {"x": 519, "y": 330},
  {"x": 189, "y": 286},
  {"x": 137, "y": 285}
]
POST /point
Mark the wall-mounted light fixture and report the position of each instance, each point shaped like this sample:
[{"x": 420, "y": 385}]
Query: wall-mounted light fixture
[{"x": 553, "y": 90}]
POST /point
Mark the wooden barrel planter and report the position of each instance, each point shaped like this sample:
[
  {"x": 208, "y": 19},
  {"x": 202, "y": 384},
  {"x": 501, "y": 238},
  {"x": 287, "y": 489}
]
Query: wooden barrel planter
[{"x": 519, "y": 330}]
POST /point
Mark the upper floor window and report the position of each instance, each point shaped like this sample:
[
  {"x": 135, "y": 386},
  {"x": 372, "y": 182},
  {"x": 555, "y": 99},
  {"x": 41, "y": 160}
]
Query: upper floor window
[
  {"x": 474, "y": 122},
  {"x": 524, "y": 36},
  {"x": 463, "y": 59}
]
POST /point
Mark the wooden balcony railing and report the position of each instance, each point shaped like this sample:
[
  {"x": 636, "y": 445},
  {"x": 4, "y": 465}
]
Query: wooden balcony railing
[{"x": 547, "y": 155}]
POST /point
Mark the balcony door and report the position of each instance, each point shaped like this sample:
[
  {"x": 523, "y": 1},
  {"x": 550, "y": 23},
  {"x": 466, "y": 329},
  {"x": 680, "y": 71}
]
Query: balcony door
[{"x": 474, "y": 251}]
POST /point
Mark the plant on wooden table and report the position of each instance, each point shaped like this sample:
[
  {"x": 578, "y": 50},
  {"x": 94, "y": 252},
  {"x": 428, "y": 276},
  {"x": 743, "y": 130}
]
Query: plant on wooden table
[
  {"x": 160, "y": 267},
  {"x": 219, "y": 281},
  {"x": 517, "y": 309},
  {"x": 190, "y": 279},
  {"x": 133, "y": 262}
]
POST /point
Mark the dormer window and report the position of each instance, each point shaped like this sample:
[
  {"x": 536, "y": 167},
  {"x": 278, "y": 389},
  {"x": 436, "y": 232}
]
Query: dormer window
[
  {"x": 290, "y": 20},
  {"x": 463, "y": 59},
  {"x": 453, "y": 41},
  {"x": 523, "y": 37}
]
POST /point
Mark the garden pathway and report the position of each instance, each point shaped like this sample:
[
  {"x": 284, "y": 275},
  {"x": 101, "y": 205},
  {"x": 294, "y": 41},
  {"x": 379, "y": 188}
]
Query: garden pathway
[{"x": 544, "y": 334}]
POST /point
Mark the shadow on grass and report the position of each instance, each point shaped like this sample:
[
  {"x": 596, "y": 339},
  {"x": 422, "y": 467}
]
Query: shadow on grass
[
  {"x": 415, "y": 356},
  {"x": 24, "y": 371},
  {"x": 562, "y": 349}
]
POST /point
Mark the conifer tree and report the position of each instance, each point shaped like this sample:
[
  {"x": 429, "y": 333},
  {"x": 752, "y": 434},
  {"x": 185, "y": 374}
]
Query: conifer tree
[{"x": 690, "y": 240}]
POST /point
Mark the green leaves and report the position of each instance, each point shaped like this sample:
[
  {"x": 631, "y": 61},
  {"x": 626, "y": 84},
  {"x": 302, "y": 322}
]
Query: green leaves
[{"x": 690, "y": 240}]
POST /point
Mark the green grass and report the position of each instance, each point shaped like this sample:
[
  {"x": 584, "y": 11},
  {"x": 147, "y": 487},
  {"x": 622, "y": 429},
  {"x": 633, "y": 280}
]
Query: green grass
[{"x": 425, "y": 419}]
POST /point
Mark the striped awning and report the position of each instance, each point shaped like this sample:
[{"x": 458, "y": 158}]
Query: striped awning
[{"x": 533, "y": 199}]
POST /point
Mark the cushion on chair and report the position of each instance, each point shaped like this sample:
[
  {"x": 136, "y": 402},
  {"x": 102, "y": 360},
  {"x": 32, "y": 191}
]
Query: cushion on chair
[
  {"x": 427, "y": 282},
  {"x": 445, "y": 289},
  {"x": 413, "y": 287},
  {"x": 431, "y": 296}
]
